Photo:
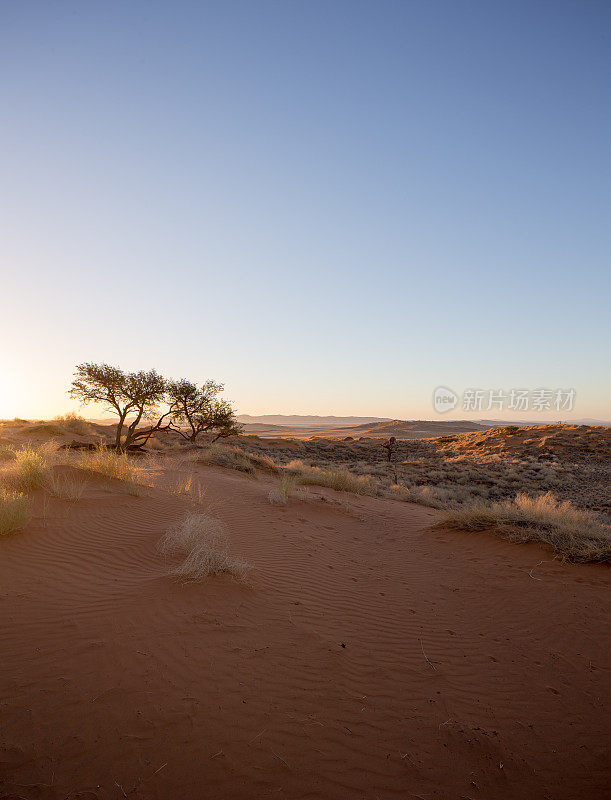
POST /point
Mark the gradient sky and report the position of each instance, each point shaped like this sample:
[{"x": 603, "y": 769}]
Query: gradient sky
[{"x": 332, "y": 207}]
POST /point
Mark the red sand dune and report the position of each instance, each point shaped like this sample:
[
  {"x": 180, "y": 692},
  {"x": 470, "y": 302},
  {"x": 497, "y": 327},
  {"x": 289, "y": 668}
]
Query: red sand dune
[{"x": 462, "y": 676}]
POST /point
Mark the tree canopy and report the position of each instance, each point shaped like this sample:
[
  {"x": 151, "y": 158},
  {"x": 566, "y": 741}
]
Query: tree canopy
[{"x": 178, "y": 405}]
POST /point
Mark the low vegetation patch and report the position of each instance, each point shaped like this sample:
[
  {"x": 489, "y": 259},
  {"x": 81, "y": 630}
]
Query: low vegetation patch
[
  {"x": 29, "y": 468},
  {"x": 65, "y": 487},
  {"x": 203, "y": 540},
  {"x": 282, "y": 494},
  {"x": 74, "y": 423},
  {"x": 14, "y": 511},
  {"x": 574, "y": 534},
  {"x": 221, "y": 455},
  {"x": 44, "y": 429},
  {"x": 117, "y": 466},
  {"x": 342, "y": 480}
]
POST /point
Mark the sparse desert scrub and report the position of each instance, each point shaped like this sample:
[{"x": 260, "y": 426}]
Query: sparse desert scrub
[
  {"x": 14, "y": 511},
  {"x": 74, "y": 423},
  {"x": 432, "y": 496},
  {"x": 44, "y": 429},
  {"x": 116, "y": 465},
  {"x": 29, "y": 469},
  {"x": 7, "y": 453},
  {"x": 342, "y": 480},
  {"x": 264, "y": 463},
  {"x": 203, "y": 540},
  {"x": 223, "y": 456},
  {"x": 574, "y": 534}
]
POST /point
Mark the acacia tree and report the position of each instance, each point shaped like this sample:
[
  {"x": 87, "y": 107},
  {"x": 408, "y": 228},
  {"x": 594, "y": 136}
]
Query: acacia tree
[
  {"x": 142, "y": 393},
  {"x": 200, "y": 410},
  {"x": 122, "y": 393}
]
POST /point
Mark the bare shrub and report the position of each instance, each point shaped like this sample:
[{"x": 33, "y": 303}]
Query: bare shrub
[
  {"x": 203, "y": 540},
  {"x": 574, "y": 534},
  {"x": 14, "y": 511}
]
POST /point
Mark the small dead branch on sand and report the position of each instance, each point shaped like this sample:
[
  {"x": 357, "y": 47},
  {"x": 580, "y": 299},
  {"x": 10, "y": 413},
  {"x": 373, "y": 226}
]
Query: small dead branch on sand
[
  {"x": 280, "y": 759},
  {"x": 427, "y": 659},
  {"x": 529, "y": 572}
]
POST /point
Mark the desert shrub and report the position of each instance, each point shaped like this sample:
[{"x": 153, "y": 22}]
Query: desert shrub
[
  {"x": 14, "y": 511},
  {"x": 203, "y": 540},
  {"x": 74, "y": 423},
  {"x": 116, "y": 465},
  {"x": 574, "y": 534}
]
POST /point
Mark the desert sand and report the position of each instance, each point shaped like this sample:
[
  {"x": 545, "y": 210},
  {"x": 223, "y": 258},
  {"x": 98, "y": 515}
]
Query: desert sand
[{"x": 366, "y": 656}]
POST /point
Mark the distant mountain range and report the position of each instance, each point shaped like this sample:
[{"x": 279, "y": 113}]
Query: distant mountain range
[
  {"x": 312, "y": 424},
  {"x": 305, "y": 421},
  {"x": 314, "y": 421}
]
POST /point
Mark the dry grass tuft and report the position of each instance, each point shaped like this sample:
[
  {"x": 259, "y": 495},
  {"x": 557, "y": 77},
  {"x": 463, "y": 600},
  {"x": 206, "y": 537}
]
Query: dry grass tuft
[
  {"x": 276, "y": 498},
  {"x": 29, "y": 468},
  {"x": 65, "y": 487},
  {"x": 203, "y": 539},
  {"x": 574, "y": 534},
  {"x": 14, "y": 511},
  {"x": 281, "y": 495},
  {"x": 220, "y": 455},
  {"x": 342, "y": 480},
  {"x": 117, "y": 466}
]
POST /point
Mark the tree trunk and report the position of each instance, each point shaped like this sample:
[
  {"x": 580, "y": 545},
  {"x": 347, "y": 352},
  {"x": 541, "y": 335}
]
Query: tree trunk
[{"x": 119, "y": 431}]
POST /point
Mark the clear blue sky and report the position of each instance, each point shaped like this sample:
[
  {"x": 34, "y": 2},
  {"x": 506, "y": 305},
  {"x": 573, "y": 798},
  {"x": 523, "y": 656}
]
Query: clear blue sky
[{"x": 333, "y": 207}]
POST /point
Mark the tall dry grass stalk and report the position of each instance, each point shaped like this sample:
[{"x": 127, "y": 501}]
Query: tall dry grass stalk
[{"x": 65, "y": 487}]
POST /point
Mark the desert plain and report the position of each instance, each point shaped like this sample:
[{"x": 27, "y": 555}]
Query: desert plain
[{"x": 364, "y": 647}]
